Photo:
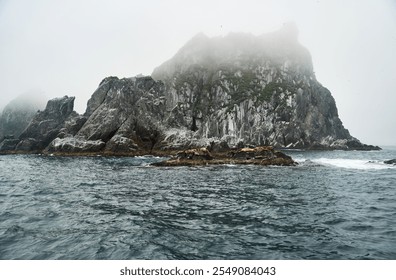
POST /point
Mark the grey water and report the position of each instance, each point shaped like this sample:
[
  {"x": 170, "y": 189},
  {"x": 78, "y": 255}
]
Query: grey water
[{"x": 333, "y": 205}]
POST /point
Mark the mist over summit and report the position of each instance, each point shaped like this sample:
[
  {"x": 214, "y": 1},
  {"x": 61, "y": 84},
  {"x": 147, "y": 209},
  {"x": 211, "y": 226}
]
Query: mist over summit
[
  {"x": 237, "y": 48},
  {"x": 16, "y": 116}
]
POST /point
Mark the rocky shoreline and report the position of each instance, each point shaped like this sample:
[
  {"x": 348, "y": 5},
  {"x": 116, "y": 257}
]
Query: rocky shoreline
[{"x": 262, "y": 155}]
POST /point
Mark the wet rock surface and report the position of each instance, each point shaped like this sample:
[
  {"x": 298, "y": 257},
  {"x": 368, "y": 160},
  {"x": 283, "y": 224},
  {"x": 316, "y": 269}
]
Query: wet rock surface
[
  {"x": 391, "y": 161},
  {"x": 258, "y": 156}
]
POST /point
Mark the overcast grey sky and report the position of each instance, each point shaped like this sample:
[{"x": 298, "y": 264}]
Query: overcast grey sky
[{"x": 68, "y": 47}]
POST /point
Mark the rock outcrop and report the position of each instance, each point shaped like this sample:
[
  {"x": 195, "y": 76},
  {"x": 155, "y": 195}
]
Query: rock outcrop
[
  {"x": 8, "y": 144},
  {"x": 256, "y": 90},
  {"x": 222, "y": 93},
  {"x": 43, "y": 128},
  {"x": 391, "y": 161},
  {"x": 123, "y": 116},
  {"x": 258, "y": 156}
]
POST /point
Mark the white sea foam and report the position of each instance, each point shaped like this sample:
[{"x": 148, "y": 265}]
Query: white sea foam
[
  {"x": 352, "y": 163},
  {"x": 148, "y": 157}
]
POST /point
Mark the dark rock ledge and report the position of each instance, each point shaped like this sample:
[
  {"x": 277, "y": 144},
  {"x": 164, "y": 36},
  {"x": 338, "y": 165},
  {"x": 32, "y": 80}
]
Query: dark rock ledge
[
  {"x": 391, "y": 161},
  {"x": 262, "y": 155}
]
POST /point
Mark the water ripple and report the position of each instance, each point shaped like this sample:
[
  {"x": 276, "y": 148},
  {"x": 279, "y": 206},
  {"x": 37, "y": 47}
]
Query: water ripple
[{"x": 118, "y": 208}]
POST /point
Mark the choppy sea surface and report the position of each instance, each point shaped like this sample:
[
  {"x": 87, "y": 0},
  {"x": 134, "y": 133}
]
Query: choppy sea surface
[{"x": 333, "y": 205}]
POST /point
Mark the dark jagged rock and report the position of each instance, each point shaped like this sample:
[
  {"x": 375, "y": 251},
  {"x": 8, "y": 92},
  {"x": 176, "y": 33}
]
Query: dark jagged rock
[
  {"x": 355, "y": 144},
  {"x": 8, "y": 144},
  {"x": 72, "y": 125},
  {"x": 29, "y": 145},
  {"x": 391, "y": 161},
  {"x": 125, "y": 114},
  {"x": 131, "y": 108},
  {"x": 257, "y": 156},
  {"x": 46, "y": 125}
]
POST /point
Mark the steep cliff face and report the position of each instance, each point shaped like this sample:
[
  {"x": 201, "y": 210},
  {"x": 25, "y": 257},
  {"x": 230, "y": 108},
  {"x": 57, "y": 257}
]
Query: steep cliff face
[
  {"x": 256, "y": 90},
  {"x": 122, "y": 116},
  {"x": 129, "y": 114}
]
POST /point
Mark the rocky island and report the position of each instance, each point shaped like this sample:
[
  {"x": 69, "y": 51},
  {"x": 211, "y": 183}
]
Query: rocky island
[
  {"x": 215, "y": 100},
  {"x": 262, "y": 155}
]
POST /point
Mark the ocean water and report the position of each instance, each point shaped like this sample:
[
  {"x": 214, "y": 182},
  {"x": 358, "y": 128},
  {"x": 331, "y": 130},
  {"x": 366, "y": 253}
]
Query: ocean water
[{"x": 333, "y": 205}]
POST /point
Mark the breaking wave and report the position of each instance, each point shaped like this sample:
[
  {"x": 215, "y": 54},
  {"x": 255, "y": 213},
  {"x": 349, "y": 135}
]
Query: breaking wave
[
  {"x": 358, "y": 160},
  {"x": 351, "y": 163}
]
